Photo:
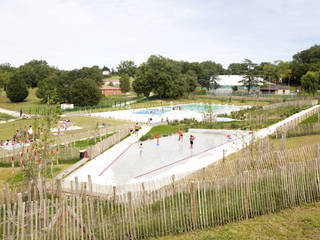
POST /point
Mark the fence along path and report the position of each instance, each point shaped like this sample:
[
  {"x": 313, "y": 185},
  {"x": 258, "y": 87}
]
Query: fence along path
[
  {"x": 67, "y": 149},
  {"x": 291, "y": 103},
  {"x": 192, "y": 204}
]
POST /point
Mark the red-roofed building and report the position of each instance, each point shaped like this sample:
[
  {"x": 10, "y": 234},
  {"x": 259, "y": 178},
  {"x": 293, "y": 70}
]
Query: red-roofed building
[{"x": 108, "y": 90}]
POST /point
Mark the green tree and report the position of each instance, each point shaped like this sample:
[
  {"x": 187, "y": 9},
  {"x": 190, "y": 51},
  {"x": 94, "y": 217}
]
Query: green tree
[
  {"x": 127, "y": 67},
  {"x": 85, "y": 92},
  {"x": 270, "y": 72},
  {"x": 310, "y": 82},
  {"x": 125, "y": 83},
  {"x": 17, "y": 89},
  {"x": 35, "y": 71},
  {"x": 47, "y": 89},
  {"x": 161, "y": 76},
  {"x": 236, "y": 68},
  {"x": 304, "y": 61},
  {"x": 250, "y": 78},
  {"x": 190, "y": 79},
  {"x": 283, "y": 71},
  {"x": 209, "y": 73},
  {"x": 6, "y": 71}
]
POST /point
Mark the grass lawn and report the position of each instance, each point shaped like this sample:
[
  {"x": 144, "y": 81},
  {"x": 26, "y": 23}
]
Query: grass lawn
[
  {"x": 30, "y": 102},
  {"x": 311, "y": 119},
  {"x": 294, "y": 142},
  {"x": 7, "y": 130},
  {"x": 301, "y": 222},
  {"x": 5, "y": 117}
]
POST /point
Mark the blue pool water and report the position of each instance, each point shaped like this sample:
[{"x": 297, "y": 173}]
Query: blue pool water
[
  {"x": 153, "y": 111},
  {"x": 192, "y": 107},
  {"x": 204, "y": 107}
]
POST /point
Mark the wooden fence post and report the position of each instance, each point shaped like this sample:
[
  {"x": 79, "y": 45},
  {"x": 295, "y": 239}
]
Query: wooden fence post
[
  {"x": 89, "y": 184},
  {"x": 131, "y": 214},
  {"x": 61, "y": 206},
  {"x": 246, "y": 194},
  {"x": 193, "y": 206}
]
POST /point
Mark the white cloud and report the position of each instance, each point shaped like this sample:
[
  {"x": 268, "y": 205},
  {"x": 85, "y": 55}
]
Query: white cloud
[{"x": 76, "y": 33}]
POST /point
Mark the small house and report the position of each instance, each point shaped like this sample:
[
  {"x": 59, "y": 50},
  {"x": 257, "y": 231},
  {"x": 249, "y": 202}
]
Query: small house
[
  {"x": 109, "y": 90},
  {"x": 277, "y": 89},
  {"x": 115, "y": 82}
]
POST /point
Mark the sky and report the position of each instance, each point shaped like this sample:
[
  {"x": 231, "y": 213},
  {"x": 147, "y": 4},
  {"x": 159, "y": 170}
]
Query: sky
[{"x": 71, "y": 34}]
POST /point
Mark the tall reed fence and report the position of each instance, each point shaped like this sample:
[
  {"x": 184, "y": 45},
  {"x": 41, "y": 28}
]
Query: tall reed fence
[
  {"x": 304, "y": 129},
  {"x": 292, "y": 121},
  {"x": 291, "y": 103},
  {"x": 179, "y": 207},
  {"x": 68, "y": 150}
]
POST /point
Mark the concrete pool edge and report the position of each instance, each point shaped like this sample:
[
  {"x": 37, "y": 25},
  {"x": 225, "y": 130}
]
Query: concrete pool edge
[{"x": 216, "y": 155}]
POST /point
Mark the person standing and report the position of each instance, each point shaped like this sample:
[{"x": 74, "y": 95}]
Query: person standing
[
  {"x": 191, "y": 141},
  {"x": 140, "y": 149},
  {"x": 136, "y": 129}
]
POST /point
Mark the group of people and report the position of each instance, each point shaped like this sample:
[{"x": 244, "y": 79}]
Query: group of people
[
  {"x": 25, "y": 135},
  {"x": 180, "y": 137}
]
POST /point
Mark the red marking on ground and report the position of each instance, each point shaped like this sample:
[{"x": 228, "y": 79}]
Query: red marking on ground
[
  {"x": 115, "y": 159},
  {"x": 183, "y": 159}
]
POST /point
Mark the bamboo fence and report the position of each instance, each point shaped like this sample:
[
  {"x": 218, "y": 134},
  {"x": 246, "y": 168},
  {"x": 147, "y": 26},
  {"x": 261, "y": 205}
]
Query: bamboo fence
[
  {"x": 179, "y": 207},
  {"x": 298, "y": 103},
  {"x": 66, "y": 145}
]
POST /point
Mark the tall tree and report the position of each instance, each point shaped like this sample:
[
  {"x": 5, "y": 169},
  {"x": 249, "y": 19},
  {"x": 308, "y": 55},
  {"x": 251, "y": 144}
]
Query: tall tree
[
  {"x": 209, "y": 73},
  {"x": 85, "y": 92},
  {"x": 236, "y": 68},
  {"x": 125, "y": 83},
  {"x": 47, "y": 89},
  {"x": 283, "y": 71},
  {"x": 250, "y": 78},
  {"x": 161, "y": 76},
  {"x": 127, "y": 67},
  {"x": 190, "y": 80},
  {"x": 310, "y": 82},
  {"x": 35, "y": 71},
  {"x": 270, "y": 72}
]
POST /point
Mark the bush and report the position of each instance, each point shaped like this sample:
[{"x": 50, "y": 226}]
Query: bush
[
  {"x": 201, "y": 92},
  {"x": 85, "y": 92},
  {"x": 17, "y": 89}
]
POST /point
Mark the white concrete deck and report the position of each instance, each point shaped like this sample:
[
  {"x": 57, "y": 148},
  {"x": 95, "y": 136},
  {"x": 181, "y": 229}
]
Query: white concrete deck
[{"x": 122, "y": 164}]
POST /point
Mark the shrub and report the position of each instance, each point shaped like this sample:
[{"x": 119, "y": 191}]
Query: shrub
[
  {"x": 85, "y": 92},
  {"x": 17, "y": 89}
]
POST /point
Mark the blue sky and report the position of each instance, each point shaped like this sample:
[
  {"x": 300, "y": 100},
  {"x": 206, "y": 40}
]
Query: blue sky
[{"x": 75, "y": 33}]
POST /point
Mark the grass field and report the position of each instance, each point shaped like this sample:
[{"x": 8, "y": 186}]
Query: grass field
[
  {"x": 31, "y": 102},
  {"x": 5, "y": 117},
  {"x": 302, "y": 222},
  {"x": 7, "y": 130}
]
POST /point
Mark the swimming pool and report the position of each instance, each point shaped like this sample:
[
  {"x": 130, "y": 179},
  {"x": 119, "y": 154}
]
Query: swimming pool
[
  {"x": 179, "y": 112},
  {"x": 153, "y": 111},
  {"x": 205, "y": 107}
]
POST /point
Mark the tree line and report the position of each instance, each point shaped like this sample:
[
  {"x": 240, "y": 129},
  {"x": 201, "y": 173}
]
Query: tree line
[{"x": 164, "y": 77}]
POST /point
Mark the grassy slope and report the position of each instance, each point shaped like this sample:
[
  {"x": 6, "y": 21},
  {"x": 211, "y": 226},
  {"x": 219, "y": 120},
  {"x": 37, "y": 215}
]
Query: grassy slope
[
  {"x": 30, "y": 102},
  {"x": 5, "y": 117},
  {"x": 302, "y": 222},
  {"x": 7, "y": 130}
]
